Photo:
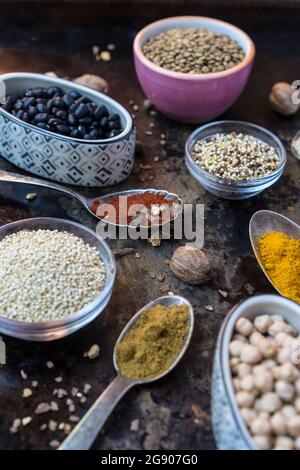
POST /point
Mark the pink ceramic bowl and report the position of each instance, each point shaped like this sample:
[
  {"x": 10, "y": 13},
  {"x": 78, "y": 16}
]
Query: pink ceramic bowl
[{"x": 192, "y": 98}]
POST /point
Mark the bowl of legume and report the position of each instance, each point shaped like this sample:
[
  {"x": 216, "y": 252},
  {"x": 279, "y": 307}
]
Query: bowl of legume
[
  {"x": 56, "y": 276},
  {"x": 193, "y": 68},
  {"x": 64, "y": 131},
  {"x": 234, "y": 159},
  {"x": 256, "y": 376}
]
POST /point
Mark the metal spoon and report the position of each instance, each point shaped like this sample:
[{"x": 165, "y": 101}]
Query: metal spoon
[
  {"x": 88, "y": 202},
  {"x": 268, "y": 221},
  {"x": 86, "y": 431}
]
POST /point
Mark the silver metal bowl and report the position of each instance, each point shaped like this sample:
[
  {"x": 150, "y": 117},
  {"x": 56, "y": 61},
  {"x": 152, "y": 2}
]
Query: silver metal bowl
[
  {"x": 54, "y": 329},
  {"x": 79, "y": 162}
]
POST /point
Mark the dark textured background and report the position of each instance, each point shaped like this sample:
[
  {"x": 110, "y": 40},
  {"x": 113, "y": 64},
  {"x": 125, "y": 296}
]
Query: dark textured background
[{"x": 174, "y": 413}]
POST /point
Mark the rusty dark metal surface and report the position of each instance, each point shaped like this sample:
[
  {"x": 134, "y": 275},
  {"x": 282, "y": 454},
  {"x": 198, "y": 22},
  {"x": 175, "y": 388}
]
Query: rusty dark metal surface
[{"x": 174, "y": 413}]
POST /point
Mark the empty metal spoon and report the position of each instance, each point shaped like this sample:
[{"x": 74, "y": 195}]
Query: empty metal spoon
[
  {"x": 88, "y": 203},
  {"x": 86, "y": 431},
  {"x": 268, "y": 221}
]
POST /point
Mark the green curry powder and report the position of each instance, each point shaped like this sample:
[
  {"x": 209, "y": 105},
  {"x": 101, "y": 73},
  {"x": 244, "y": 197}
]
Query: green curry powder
[{"x": 154, "y": 342}]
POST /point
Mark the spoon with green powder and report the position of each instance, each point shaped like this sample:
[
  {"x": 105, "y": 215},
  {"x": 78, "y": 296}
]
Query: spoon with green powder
[{"x": 149, "y": 347}]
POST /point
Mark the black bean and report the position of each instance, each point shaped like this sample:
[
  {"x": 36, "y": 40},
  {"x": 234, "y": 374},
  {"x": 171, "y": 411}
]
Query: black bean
[
  {"x": 61, "y": 114},
  {"x": 41, "y": 108},
  {"x": 94, "y": 125},
  {"x": 28, "y": 92},
  {"x": 25, "y": 117},
  {"x": 82, "y": 129},
  {"x": 32, "y": 111},
  {"x": 94, "y": 134},
  {"x": 73, "y": 108},
  {"x": 74, "y": 94},
  {"x": 103, "y": 122},
  {"x": 92, "y": 106},
  {"x": 43, "y": 125},
  {"x": 62, "y": 129},
  {"x": 113, "y": 133},
  {"x": 100, "y": 111},
  {"x": 113, "y": 125},
  {"x": 83, "y": 100},
  {"x": 18, "y": 105},
  {"x": 41, "y": 117},
  {"x": 68, "y": 100},
  {"x": 41, "y": 100},
  {"x": 114, "y": 117},
  {"x": 81, "y": 111},
  {"x": 40, "y": 93},
  {"x": 86, "y": 121},
  {"x": 58, "y": 102},
  {"x": 30, "y": 101},
  {"x": 54, "y": 90},
  {"x": 20, "y": 114},
  {"x": 75, "y": 133},
  {"x": 72, "y": 120}
]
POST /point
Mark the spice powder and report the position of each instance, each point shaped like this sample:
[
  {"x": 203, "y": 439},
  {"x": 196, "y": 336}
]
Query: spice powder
[{"x": 154, "y": 342}]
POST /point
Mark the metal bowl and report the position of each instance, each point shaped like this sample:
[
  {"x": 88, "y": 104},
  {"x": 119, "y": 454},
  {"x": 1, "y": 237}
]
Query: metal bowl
[
  {"x": 50, "y": 330},
  {"x": 232, "y": 189},
  {"x": 61, "y": 158}
]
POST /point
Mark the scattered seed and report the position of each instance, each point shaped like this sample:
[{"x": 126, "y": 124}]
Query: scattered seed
[
  {"x": 146, "y": 167},
  {"x": 162, "y": 142},
  {"x": 155, "y": 242},
  {"x": 83, "y": 399},
  {"x": 96, "y": 50},
  {"x": 152, "y": 275},
  {"x": 105, "y": 56},
  {"x": 147, "y": 105},
  {"x": 137, "y": 256},
  {"x": 111, "y": 47},
  {"x": 72, "y": 408},
  {"x": 165, "y": 289},
  {"x": 74, "y": 418},
  {"x": 131, "y": 102},
  {"x": 135, "y": 108},
  {"x": 167, "y": 262},
  {"x": 223, "y": 293},
  {"x": 15, "y": 425},
  {"x": 23, "y": 374},
  {"x": 156, "y": 159},
  {"x": 61, "y": 392},
  {"x": 148, "y": 133},
  {"x": 52, "y": 425},
  {"x": 50, "y": 364},
  {"x": 26, "y": 420},
  {"x": 31, "y": 196},
  {"x": 67, "y": 428},
  {"x": 134, "y": 426},
  {"x": 87, "y": 388},
  {"x": 160, "y": 277},
  {"x": 152, "y": 125},
  {"x": 58, "y": 379},
  {"x": 54, "y": 406},
  {"x": 74, "y": 391},
  {"x": 153, "y": 112},
  {"x": 43, "y": 427},
  {"x": 69, "y": 401},
  {"x": 210, "y": 308},
  {"x": 93, "y": 352},
  {"x": 54, "y": 443},
  {"x": 61, "y": 426},
  {"x": 42, "y": 408},
  {"x": 34, "y": 383},
  {"x": 27, "y": 392},
  {"x": 171, "y": 292}
]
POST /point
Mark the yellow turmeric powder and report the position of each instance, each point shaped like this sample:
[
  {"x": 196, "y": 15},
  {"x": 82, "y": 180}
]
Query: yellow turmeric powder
[{"x": 280, "y": 256}]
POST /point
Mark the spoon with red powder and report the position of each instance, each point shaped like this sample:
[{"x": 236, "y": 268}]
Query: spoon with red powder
[{"x": 137, "y": 207}]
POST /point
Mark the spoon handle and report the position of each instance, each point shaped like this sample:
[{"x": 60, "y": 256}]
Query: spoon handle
[
  {"x": 16, "y": 178},
  {"x": 86, "y": 431}
]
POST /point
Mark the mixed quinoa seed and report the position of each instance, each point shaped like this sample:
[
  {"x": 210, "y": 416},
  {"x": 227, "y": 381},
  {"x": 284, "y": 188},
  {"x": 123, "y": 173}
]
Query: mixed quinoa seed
[
  {"x": 47, "y": 275},
  {"x": 193, "y": 51},
  {"x": 236, "y": 156}
]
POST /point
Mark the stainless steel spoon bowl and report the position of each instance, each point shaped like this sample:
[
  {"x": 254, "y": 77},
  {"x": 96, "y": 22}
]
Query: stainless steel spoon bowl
[
  {"x": 88, "y": 202},
  {"x": 268, "y": 221},
  {"x": 86, "y": 431}
]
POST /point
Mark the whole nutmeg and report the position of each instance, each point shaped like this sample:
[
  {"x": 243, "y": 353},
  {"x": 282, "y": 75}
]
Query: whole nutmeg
[
  {"x": 281, "y": 99},
  {"x": 191, "y": 265},
  {"x": 92, "y": 81}
]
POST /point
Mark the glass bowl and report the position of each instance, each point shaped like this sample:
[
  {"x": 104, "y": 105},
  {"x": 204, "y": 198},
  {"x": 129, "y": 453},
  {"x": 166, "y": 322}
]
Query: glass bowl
[
  {"x": 50, "y": 330},
  {"x": 231, "y": 189}
]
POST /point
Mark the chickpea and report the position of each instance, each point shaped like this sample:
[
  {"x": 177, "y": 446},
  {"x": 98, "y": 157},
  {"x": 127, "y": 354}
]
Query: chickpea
[
  {"x": 248, "y": 414},
  {"x": 284, "y": 443},
  {"x": 269, "y": 363},
  {"x": 260, "y": 426},
  {"x": 278, "y": 423},
  {"x": 244, "y": 399},
  {"x": 297, "y": 386},
  {"x": 262, "y": 323},
  {"x": 236, "y": 384},
  {"x": 284, "y": 355},
  {"x": 255, "y": 338},
  {"x": 244, "y": 326},
  {"x": 277, "y": 327},
  {"x": 297, "y": 443},
  {"x": 250, "y": 354},
  {"x": 285, "y": 372},
  {"x": 243, "y": 370},
  {"x": 241, "y": 338},
  {"x": 264, "y": 381},
  {"x": 288, "y": 410},
  {"x": 267, "y": 348},
  {"x": 234, "y": 363},
  {"x": 297, "y": 404},
  {"x": 247, "y": 383},
  {"x": 285, "y": 390},
  {"x": 277, "y": 318},
  {"x": 235, "y": 347},
  {"x": 293, "y": 425},
  {"x": 259, "y": 369},
  {"x": 262, "y": 441},
  {"x": 270, "y": 402},
  {"x": 283, "y": 339}
]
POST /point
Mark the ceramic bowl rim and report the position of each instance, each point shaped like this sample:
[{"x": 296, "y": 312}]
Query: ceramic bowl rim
[
  {"x": 81, "y": 88},
  {"x": 137, "y": 47},
  {"x": 80, "y": 314},
  {"x": 235, "y": 184},
  {"x": 227, "y": 380}
]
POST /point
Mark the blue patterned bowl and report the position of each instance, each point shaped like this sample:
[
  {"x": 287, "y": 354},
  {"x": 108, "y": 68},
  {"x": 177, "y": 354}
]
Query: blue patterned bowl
[
  {"x": 229, "y": 428},
  {"x": 80, "y": 162}
]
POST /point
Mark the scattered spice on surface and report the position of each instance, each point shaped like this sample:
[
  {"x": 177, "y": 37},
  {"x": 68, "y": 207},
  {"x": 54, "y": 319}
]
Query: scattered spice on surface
[
  {"x": 26, "y": 420},
  {"x": 27, "y": 392},
  {"x": 23, "y": 374},
  {"x": 191, "y": 265},
  {"x": 42, "y": 408},
  {"x": 31, "y": 196},
  {"x": 58, "y": 379},
  {"x": 54, "y": 443},
  {"x": 210, "y": 308},
  {"x": 143, "y": 209},
  {"x": 93, "y": 352},
  {"x": 134, "y": 426},
  {"x": 193, "y": 50},
  {"x": 223, "y": 293},
  {"x": 55, "y": 274},
  {"x": 50, "y": 364},
  {"x": 236, "y": 156},
  {"x": 280, "y": 256},
  {"x": 105, "y": 56},
  {"x": 154, "y": 342}
]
